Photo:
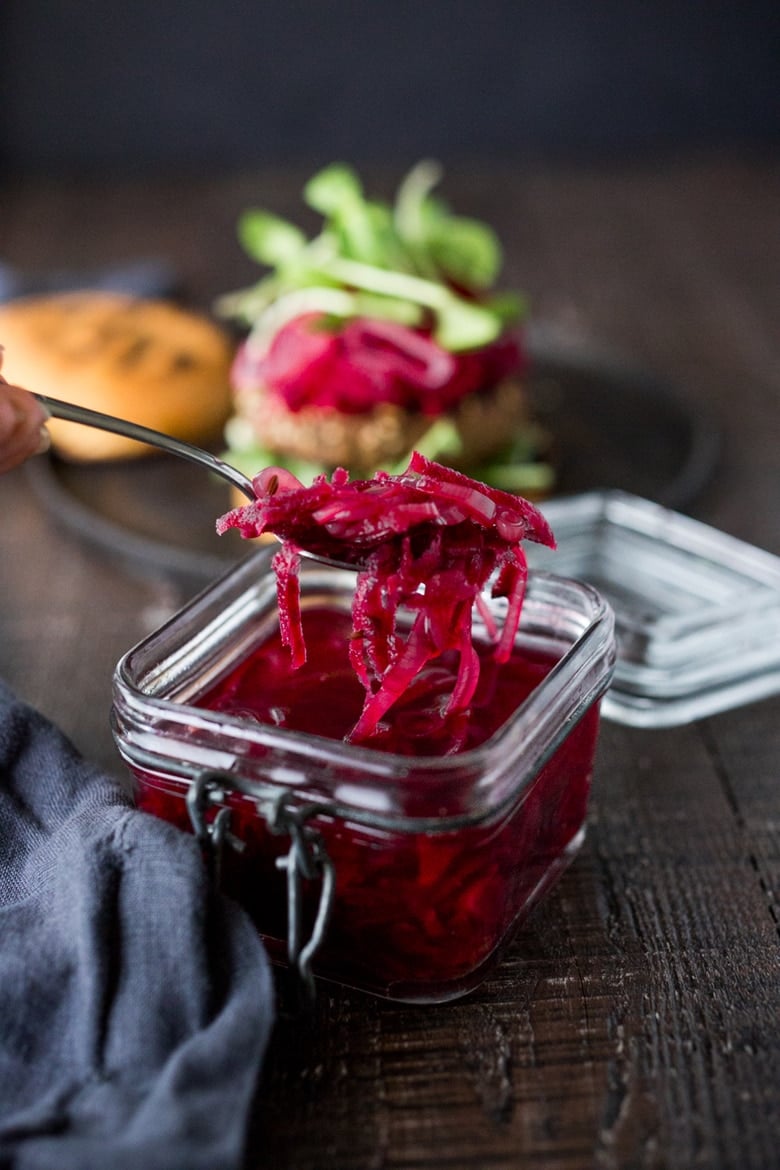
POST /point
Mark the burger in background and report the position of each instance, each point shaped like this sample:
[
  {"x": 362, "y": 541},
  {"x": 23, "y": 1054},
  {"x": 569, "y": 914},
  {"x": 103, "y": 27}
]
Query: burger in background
[{"x": 382, "y": 334}]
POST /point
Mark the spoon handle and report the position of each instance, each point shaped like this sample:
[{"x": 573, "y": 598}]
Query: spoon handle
[{"x": 120, "y": 426}]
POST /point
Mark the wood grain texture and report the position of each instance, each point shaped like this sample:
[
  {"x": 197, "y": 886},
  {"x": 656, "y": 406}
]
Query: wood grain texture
[{"x": 635, "y": 1020}]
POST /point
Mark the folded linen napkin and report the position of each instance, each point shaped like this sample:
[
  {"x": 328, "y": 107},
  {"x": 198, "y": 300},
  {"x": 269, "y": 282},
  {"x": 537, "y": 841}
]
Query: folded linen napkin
[{"x": 135, "y": 1002}]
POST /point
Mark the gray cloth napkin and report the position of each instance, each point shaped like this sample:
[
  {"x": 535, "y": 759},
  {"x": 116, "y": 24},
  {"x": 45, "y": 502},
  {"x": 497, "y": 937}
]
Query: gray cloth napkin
[{"x": 135, "y": 1003}]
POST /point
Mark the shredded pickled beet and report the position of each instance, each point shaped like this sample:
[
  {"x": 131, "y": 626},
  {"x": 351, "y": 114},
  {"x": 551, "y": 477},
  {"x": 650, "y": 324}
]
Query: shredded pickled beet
[
  {"x": 425, "y": 543},
  {"x": 367, "y": 362}
]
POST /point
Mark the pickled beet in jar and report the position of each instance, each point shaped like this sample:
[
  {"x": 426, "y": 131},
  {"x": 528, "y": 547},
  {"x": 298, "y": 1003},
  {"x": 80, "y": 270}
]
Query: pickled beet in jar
[{"x": 402, "y": 866}]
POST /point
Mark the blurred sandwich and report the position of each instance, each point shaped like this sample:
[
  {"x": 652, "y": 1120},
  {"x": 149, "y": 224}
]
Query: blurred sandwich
[{"x": 382, "y": 334}]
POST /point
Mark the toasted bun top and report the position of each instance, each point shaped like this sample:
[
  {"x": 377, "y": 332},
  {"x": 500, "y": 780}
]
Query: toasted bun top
[{"x": 145, "y": 360}]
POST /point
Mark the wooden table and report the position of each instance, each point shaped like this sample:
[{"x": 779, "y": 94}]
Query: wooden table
[{"x": 636, "y": 1019}]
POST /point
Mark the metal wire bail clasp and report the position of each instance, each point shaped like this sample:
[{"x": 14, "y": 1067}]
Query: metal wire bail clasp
[
  {"x": 305, "y": 861},
  {"x": 207, "y": 790}
]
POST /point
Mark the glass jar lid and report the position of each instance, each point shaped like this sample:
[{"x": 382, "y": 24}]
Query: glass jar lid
[{"x": 697, "y": 612}]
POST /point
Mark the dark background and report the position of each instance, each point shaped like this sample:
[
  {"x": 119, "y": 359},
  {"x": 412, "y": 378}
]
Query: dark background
[{"x": 152, "y": 85}]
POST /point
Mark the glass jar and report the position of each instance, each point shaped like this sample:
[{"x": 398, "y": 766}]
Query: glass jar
[{"x": 398, "y": 874}]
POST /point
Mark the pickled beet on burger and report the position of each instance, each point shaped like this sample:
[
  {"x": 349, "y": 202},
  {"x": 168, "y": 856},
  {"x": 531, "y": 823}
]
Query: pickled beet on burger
[{"x": 380, "y": 335}]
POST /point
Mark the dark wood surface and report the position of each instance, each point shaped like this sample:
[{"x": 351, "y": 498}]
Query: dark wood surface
[{"x": 636, "y": 1019}]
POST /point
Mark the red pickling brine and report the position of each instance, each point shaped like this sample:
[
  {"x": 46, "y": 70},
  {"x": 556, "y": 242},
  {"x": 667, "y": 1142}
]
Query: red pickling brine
[
  {"x": 324, "y": 696},
  {"x": 425, "y": 543}
]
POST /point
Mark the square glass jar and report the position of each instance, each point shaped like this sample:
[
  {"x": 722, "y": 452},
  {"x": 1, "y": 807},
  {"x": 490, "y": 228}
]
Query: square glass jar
[{"x": 402, "y": 875}]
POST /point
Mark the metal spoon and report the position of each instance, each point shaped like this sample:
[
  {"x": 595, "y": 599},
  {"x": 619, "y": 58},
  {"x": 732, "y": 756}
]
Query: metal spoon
[{"x": 121, "y": 426}]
